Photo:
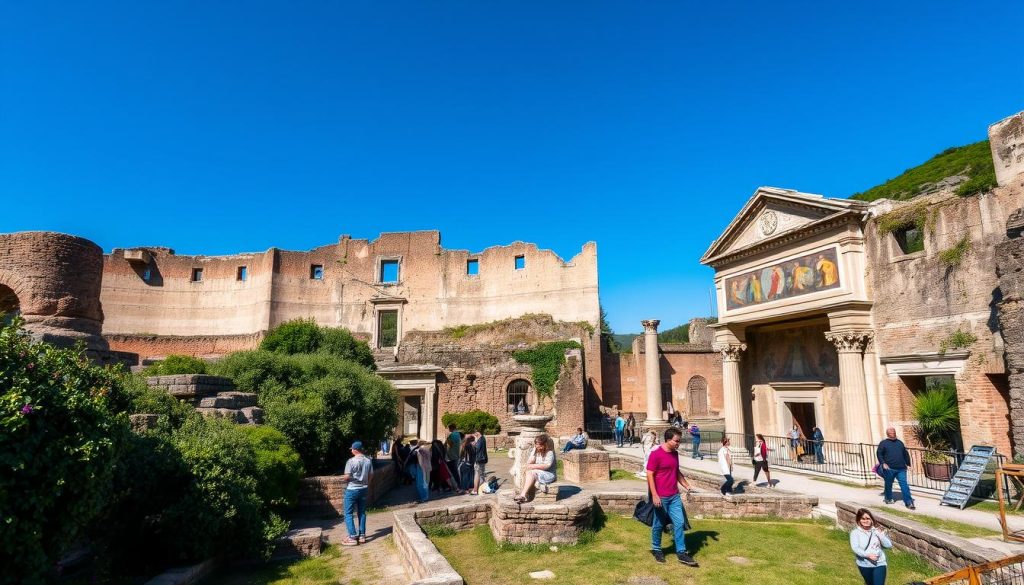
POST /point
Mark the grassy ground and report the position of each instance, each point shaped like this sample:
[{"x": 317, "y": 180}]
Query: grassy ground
[
  {"x": 994, "y": 508},
  {"x": 623, "y": 474},
  {"x": 951, "y": 526},
  {"x": 730, "y": 551},
  {"x": 328, "y": 569}
]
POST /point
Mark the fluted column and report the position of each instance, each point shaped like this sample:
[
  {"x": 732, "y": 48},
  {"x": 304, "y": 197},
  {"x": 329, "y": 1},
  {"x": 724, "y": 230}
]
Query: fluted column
[
  {"x": 852, "y": 385},
  {"x": 877, "y": 408},
  {"x": 731, "y": 391},
  {"x": 653, "y": 370}
]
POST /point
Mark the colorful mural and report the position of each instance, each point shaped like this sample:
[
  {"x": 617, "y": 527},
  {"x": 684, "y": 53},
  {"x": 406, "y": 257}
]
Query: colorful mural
[
  {"x": 794, "y": 354},
  {"x": 798, "y": 276}
]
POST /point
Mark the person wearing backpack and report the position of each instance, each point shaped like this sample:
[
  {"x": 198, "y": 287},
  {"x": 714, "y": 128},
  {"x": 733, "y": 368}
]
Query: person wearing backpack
[{"x": 695, "y": 437}]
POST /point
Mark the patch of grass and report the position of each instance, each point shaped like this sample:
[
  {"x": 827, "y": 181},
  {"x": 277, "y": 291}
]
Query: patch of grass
[
  {"x": 623, "y": 474},
  {"x": 972, "y": 160},
  {"x": 326, "y": 569},
  {"x": 994, "y": 508},
  {"x": 729, "y": 551},
  {"x": 437, "y": 530},
  {"x": 951, "y": 526},
  {"x": 958, "y": 339},
  {"x": 955, "y": 255}
]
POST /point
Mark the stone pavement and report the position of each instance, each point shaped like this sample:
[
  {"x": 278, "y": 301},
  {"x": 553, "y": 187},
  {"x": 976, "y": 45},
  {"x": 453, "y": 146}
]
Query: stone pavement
[{"x": 828, "y": 492}]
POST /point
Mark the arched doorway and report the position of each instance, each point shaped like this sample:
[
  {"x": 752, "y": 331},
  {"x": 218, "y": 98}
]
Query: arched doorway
[
  {"x": 9, "y": 305},
  {"x": 697, "y": 395},
  {"x": 517, "y": 396}
]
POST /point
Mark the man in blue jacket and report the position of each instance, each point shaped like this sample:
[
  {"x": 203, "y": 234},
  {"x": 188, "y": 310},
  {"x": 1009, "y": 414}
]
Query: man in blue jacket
[{"x": 893, "y": 460}]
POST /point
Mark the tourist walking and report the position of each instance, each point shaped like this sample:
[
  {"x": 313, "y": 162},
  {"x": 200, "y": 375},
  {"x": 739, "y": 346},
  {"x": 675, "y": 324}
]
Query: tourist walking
[
  {"x": 540, "y": 467},
  {"x": 481, "y": 461},
  {"x": 664, "y": 478},
  {"x": 578, "y": 441},
  {"x": 869, "y": 542},
  {"x": 819, "y": 445},
  {"x": 358, "y": 471},
  {"x": 421, "y": 469},
  {"x": 725, "y": 464},
  {"x": 695, "y": 438},
  {"x": 893, "y": 460},
  {"x": 631, "y": 428},
  {"x": 620, "y": 428},
  {"x": 761, "y": 459},
  {"x": 794, "y": 443}
]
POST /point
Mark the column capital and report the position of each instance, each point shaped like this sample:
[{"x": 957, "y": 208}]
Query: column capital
[
  {"x": 650, "y": 325},
  {"x": 850, "y": 341},
  {"x": 731, "y": 352}
]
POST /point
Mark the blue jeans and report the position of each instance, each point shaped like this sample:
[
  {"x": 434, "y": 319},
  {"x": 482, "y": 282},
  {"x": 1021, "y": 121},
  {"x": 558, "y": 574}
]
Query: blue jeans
[
  {"x": 420, "y": 479},
  {"x": 672, "y": 510},
  {"x": 696, "y": 448},
  {"x": 569, "y": 447},
  {"x": 817, "y": 452},
  {"x": 618, "y": 437},
  {"x": 727, "y": 486},
  {"x": 873, "y": 575},
  {"x": 355, "y": 503},
  {"x": 899, "y": 475}
]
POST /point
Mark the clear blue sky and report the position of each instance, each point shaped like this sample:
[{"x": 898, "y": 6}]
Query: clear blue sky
[{"x": 223, "y": 127}]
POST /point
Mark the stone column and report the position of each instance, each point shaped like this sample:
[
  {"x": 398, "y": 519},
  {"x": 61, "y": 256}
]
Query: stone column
[
  {"x": 854, "y": 395},
  {"x": 732, "y": 392},
  {"x": 878, "y": 410},
  {"x": 653, "y": 370},
  {"x": 429, "y": 397}
]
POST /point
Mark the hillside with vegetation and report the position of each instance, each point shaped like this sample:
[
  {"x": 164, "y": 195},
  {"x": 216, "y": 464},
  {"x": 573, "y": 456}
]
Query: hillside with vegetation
[{"x": 973, "y": 161}]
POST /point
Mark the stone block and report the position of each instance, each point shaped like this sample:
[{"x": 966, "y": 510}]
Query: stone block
[
  {"x": 141, "y": 423},
  {"x": 586, "y": 465},
  {"x": 253, "y": 415},
  {"x": 301, "y": 543},
  {"x": 1006, "y": 138}
]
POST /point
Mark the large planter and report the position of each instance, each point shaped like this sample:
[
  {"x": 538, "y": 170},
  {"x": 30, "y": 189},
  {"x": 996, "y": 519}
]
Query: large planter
[{"x": 938, "y": 471}]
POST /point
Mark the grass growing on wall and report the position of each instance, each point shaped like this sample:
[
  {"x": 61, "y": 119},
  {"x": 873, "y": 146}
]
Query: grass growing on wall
[
  {"x": 972, "y": 160},
  {"x": 955, "y": 255}
]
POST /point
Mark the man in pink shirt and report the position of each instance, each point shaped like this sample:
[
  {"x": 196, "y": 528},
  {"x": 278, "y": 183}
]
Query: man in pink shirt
[{"x": 664, "y": 479}]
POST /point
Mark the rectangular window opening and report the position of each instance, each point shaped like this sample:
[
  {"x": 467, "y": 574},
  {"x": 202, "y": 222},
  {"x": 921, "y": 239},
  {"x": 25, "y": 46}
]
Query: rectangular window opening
[
  {"x": 243, "y": 274},
  {"x": 472, "y": 267},
  {"x": 316, "y": 271},
  {"x": 387, "y": 329},
  {"x": 910, "y": 239},
  {"x": 520, "y": 262},
  {"x": 389, "y": 271},
  {"x": 197, "y": 275}
]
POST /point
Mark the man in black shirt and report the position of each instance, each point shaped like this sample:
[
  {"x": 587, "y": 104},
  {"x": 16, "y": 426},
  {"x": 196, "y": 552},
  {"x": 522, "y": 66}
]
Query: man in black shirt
[{"x": 893, "y": 459}]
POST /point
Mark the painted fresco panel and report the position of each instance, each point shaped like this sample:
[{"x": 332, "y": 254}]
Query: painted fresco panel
[
  {"x": 798, "y": 354},
  {"x": 790, "y": 278}
]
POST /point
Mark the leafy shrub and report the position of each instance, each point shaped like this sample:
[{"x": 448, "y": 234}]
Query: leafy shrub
[
  {"x": 58, "y": 437},
  {"x": 176, "y": 364},
  {"x": 303, "y": 336},
  {"x": 278, "y": 466},
  {"x": 938, "y": 415},
  {"x": 320, "y": 402},
  {"x": 139, "y": 398},
  {"x": 473, "y": 419}
]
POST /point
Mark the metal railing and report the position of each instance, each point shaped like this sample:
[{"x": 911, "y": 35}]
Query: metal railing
[
  {"x": 851, "y": 461},
  {"x": 1008, "y": 571}
]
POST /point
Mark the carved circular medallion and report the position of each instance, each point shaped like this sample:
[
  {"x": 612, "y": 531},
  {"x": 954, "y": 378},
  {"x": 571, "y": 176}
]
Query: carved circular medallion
[{"x": 768, "y": 223}]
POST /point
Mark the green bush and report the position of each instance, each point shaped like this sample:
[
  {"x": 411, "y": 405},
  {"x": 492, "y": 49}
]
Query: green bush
[
  {"x": 176, "y": 364},
  {"x": 139, "y": 398},
  {"x": 545, "y": 359},
  {"x": 278, "y": 466},
  {"x": 473, "y": 419},
  {"x": 938, "y": 415},
  {"x": 303, "y": 336},
  {"x": 58, "y": 437},
  {"x": 320, "y": 402}
]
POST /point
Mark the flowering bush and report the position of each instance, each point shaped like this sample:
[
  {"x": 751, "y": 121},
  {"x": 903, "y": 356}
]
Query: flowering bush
[{"x": 60, "y": 436}]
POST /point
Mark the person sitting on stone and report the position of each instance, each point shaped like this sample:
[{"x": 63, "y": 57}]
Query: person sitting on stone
[
  {"x": 540, "y": 467},
  {"x": 579, "y": 441}
]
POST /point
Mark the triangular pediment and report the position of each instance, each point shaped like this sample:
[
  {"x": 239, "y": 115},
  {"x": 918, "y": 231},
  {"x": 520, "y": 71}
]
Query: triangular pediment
[{"x": 772, "y": 213}]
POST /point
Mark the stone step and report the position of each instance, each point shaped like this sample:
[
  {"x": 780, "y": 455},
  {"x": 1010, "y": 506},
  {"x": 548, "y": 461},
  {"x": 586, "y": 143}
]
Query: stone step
[
  {"x": 253, "y": 415},
  {"x": 227, "y": 413},
  {"x": 544, "y": 494},
  {"x": 301, "y": 543},
  {"x": 228, "y": 400}
]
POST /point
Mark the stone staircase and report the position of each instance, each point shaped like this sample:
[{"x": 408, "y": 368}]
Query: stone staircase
[{"x": 212, "y": 396}]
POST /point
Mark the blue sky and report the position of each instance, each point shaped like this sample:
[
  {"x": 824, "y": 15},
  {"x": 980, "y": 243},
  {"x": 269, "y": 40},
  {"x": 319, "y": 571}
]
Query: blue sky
[{"x": 223, "y": 127}]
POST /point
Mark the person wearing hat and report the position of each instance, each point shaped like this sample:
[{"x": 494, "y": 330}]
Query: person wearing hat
[{"x": 358, "y": 471}]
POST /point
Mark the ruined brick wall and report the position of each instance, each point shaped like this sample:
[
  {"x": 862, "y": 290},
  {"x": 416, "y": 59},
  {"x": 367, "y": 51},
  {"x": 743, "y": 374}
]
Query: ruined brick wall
[
  {"x": 56, "y": 279},
  {"x": 679, "y": 364},
  {"x": 478, "y": 367},
  {"x": 919, "y": 301},
  {"x": 203, "y": 346},
  {"x": 1010, "y": 268},
  {"x": 434, "y": 290}
]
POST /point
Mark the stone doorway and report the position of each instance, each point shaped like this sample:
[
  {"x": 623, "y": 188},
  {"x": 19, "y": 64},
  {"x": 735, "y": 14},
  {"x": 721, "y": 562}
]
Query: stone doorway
[
  {"x": 697, "y": 396},
  {"x": 802, "y": 415},
  {"x": 410, "y": 423}
]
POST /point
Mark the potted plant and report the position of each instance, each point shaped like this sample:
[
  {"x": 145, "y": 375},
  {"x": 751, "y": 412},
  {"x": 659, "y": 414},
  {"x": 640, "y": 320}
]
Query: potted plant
[{"x": 938, "y": 418}]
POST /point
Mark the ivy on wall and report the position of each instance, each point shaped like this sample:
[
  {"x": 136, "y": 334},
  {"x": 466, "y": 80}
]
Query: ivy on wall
[
  {"x": 955, "y": 255},
  {"x": 545, "y": 359}
]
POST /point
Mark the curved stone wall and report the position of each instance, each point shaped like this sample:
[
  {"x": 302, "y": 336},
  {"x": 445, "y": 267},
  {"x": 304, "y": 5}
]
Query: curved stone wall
[{"x": 56, "y": 278}]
